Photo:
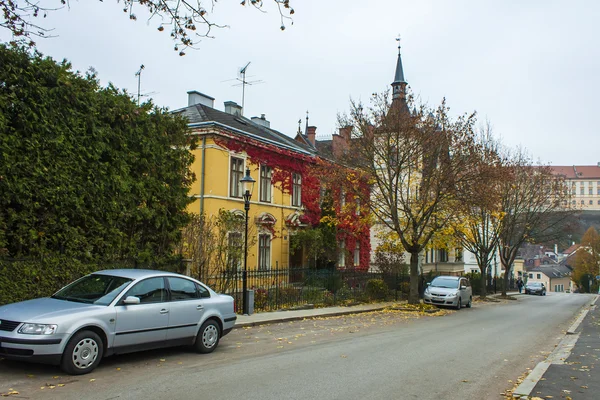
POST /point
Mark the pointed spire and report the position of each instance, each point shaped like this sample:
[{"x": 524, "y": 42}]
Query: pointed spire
[
  {"x": 306, "y": 129},
  {"x": 399, "y": 84}
]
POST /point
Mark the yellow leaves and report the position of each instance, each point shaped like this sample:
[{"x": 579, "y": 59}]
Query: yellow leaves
[{"x": 11, "y": 392}]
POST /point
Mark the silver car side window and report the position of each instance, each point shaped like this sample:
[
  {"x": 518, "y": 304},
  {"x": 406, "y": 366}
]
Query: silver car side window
[
  {"x": 182, "y": 289},
  {"x": 150, "y": 290}
]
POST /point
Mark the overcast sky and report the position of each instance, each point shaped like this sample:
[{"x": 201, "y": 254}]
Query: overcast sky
[{"x": 531, "y": 67}]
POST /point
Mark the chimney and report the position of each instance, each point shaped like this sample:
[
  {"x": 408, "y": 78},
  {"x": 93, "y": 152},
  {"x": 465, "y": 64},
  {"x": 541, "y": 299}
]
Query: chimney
[
  {"x": 345, "y": 133},
  {"x": 311, "y": 132},
  {"x": 195, "y": 97},
  {"x": 261, "y": 121},
  {"x": 231, "y": 107}
]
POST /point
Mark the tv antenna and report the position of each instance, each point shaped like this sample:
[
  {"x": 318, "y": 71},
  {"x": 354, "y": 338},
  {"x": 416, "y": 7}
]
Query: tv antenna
[
  {"x": 243, "y": 82},
  {"x": 139, "y": 75}
]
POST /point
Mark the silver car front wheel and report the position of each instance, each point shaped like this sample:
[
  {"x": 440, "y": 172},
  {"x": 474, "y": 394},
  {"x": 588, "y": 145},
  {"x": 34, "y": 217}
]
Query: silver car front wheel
[{"x": 83, "y": 353}]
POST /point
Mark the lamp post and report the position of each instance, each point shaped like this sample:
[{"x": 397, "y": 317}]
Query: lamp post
[{"x": 247, "y": 187}]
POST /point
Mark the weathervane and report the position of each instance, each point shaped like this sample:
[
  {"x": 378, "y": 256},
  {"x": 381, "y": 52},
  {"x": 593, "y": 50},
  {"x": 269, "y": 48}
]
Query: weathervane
[{"x": 398, "y": 40}]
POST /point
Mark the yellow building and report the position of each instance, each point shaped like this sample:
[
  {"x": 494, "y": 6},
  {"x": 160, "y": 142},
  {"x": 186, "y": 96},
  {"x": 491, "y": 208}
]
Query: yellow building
[{"x": 226, "y": 144}]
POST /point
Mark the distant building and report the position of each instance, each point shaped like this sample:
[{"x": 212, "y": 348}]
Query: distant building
[{"x": 584, "y": 184}]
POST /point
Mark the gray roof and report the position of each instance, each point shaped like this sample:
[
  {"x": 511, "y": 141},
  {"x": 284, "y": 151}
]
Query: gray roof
[
  {"x": 553, "y": 271},
  {"x": 399, "y": 77},
  {"x": 200, "y": 114}
]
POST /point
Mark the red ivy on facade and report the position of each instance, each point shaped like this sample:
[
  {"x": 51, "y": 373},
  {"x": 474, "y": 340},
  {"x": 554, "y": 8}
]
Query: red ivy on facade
[{"x": 352, "y": 227}]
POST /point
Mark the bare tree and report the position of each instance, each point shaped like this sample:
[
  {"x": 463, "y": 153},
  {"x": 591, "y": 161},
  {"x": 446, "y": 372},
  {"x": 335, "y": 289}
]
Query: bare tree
[
  {"x": 416, "y": 161},
  {"x": 478, "y": 227},
  {"x": 186, "y": 21},
  {"x": 215, "y": 246},
  {"x": 535, "y": 206}
]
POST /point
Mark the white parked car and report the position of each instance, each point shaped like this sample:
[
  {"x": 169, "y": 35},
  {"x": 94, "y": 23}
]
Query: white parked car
[
  {"x": 114, "y": 312},
  {"x": 453, "y": 291}
]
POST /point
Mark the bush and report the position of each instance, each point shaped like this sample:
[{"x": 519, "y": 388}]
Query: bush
[
  {"x": 261, "y": 299},
  {"x": 376, "y": 289},
  {"x": 344, "y": 293},
  {"x": 314, "y": 296}
]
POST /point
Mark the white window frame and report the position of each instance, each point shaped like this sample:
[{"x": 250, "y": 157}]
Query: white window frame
[
  {"x": 240, "y": 187},
  {"x": 357, "y": 254},
  {"x": 342, "y": 254},
  {"x": 296, "y": 190},
  {"x": 260, "y": 255},
  {"x": 268, "y": 198}
]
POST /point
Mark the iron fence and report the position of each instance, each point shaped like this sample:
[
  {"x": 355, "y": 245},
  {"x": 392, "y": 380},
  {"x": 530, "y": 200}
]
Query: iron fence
[{"x": 290, "y": 288}]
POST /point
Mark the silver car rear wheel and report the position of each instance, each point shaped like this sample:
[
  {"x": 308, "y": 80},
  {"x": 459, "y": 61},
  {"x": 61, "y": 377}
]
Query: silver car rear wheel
[{"x": 208, "y": 337}]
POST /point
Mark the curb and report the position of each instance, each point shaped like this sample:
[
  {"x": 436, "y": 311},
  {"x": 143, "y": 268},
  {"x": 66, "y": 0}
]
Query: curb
[
  {"x": 558, "y": 355},
  {"x": 301, "y": 317}
]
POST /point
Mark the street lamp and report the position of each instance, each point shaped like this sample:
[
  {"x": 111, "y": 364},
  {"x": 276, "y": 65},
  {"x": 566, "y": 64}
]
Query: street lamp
[{"x": 247, "y": 187}]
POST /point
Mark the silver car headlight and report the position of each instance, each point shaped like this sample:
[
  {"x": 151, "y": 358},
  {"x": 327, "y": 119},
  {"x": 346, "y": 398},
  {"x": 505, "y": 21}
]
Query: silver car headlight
[
  {"x": 451, "y": 294},
  {"x": 38, "y": 329}
]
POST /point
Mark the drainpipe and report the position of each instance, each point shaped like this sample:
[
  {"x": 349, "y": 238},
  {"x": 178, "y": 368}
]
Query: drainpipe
[
  {"x": 200, "y": 277},
  {"x": 202, "y": 176}
]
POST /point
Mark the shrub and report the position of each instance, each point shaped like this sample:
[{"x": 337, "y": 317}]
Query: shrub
[
  {"x": 376, "y": 289},
  {"x": 344, "y": 293},
  {"x": 314, "y": 296},
  {"x": 261, "y": 299}
]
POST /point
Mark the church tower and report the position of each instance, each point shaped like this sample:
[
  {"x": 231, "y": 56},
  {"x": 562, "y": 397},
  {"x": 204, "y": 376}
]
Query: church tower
[{"x": 399, "y": 84}]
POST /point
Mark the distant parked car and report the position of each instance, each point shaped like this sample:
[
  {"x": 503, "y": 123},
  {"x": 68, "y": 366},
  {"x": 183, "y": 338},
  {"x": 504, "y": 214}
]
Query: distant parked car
[
  {"x": 114, "y": 312},
  {"x": 535, "y": 288},
  {"x": 451, "y": 291}
]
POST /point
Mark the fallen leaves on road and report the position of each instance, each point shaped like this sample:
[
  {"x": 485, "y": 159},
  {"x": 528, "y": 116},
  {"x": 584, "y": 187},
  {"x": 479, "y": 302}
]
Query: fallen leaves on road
[{"x": 11, "y": 392}]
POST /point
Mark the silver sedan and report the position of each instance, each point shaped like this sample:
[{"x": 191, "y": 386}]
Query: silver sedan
[{"x": 115, "y": 312}]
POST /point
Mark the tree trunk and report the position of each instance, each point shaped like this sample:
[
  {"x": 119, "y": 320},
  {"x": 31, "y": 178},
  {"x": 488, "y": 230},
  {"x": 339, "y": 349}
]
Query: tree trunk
[
  {"x": 483, "y": 279},
  {"x": 413, "y": 297},
  {"x": 506, "y": 278}
]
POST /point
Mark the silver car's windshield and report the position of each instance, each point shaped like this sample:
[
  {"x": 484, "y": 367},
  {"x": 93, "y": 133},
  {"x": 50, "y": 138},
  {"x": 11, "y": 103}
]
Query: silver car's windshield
[
  {"x": 445, "y": 283},
  {"x": 93, "y": 289}
]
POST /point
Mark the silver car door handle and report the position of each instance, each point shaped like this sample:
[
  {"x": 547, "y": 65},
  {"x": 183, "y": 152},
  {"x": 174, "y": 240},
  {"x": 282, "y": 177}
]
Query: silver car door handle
[
  {"x": 199, "y": 308},
  {"x": 164, "y": 311}
]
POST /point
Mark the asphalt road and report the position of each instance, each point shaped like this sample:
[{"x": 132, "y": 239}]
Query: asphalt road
[{"x": 474, "y": 353}]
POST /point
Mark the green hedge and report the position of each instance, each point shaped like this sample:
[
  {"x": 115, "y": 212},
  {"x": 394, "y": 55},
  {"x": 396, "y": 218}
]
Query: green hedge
[{"x": 28, "y": 279}]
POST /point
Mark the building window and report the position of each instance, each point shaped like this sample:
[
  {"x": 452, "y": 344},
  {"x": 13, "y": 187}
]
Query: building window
[
  {"x": 264, "y": 252},
  {"x": 265, "y": 183},
  {"x": 357, "y": 206},
  {"x": 539, "y": 276},
  {"x": 530, "y": 276},
  {"x": 582, "y": 202},
  {"x": 597, "y": 187},
  {"x": 590, "y": 189},
  {"x": 458, "y": 254},
  {"x": 342, "y": 254},
  {"x": 599, "y": 202},
  {"x": 342, "y": 198},
  {"x": 559, "y": 288},
  {"x": 443, "y": 255},
  {"x": 357, "y": 254},
  {"x": 234, "y": 251},
  {"x": 573, "y": 202},
  {"x": 296, "y": 190},
  {"x": 235, "y": 174},
  {"x": 591, "y": 202},
  {"x": 573, "y": 188},
  {"x": 581, "y": 189}
]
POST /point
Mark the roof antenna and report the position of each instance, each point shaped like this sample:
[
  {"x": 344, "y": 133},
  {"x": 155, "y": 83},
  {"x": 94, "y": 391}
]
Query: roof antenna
[
  {"x": 244, "y": 82},
  {"x": 139, "y": 75}
]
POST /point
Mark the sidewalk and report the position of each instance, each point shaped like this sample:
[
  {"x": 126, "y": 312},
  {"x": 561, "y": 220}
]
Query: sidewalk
[
  {"x": 275, "y": 317},
  {"x": 572, "y": 371}
]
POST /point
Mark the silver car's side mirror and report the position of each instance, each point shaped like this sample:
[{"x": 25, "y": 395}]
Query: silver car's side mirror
[
  {"x": 428, "y": 283},
  {"x": 131, "y": 300},
  {"x": 463, "y": 287}
]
